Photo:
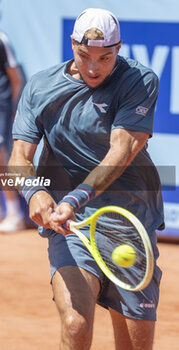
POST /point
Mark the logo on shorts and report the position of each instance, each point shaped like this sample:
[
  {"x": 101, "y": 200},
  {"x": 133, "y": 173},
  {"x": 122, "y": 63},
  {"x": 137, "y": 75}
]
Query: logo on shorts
[
  {"x": 150, "y": 305},
  {"x": 141, "y": 110}
]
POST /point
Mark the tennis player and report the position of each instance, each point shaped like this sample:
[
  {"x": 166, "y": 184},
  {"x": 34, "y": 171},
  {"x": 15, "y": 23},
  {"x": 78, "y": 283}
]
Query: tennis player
[{"x": 95, "y": 115}]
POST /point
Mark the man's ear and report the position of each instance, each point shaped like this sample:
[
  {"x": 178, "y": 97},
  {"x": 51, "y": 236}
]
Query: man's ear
[
  {"x": 72, "y": 42},
  {"x": 118, "y": 46}
]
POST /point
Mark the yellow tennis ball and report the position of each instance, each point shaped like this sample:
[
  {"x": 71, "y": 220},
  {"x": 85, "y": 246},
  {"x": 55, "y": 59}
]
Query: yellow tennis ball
[{"x": 124, "y": 255}]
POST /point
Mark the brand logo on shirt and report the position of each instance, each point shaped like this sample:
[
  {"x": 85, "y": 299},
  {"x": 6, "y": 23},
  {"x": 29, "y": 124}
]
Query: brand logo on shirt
[
  {"x": 101, "y": 106},
  {"x": 142, "y": 110}
]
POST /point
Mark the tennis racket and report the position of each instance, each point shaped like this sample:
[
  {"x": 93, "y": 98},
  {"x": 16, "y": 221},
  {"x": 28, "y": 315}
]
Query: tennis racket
[{"x": 110, "y": 227}]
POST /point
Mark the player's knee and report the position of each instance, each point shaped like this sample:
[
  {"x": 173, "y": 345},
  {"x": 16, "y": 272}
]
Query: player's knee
[{"x": 79, "y": 328}]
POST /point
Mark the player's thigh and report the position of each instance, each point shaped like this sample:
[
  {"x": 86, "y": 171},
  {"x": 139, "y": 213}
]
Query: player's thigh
[
  {"x": 75, "y": 291},
  {"x": 132, "y": 334}
]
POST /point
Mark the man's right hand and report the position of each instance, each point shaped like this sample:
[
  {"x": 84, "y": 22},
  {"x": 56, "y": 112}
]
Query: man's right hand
[
  {"x": 41, "y": 206},
  {"x": 44, "y": 211}
]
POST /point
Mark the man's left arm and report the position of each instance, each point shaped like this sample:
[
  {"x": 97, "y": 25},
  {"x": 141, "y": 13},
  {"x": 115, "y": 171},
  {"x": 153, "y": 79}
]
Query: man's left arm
[{"x": 124, "y": 146}]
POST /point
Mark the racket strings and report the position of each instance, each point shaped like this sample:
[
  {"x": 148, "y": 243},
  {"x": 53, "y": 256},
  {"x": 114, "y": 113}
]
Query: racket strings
[{"x": 112, "y": 230}]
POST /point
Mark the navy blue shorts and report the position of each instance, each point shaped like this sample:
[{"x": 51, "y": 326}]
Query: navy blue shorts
[{"x": 70, "y": 251}]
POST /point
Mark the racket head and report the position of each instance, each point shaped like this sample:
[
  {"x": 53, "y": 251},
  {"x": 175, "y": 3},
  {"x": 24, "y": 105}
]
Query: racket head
[{"x": 112, "y": 226}]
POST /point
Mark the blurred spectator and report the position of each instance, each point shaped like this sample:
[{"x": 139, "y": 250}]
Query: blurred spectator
[{"x": 11, "y": 83}]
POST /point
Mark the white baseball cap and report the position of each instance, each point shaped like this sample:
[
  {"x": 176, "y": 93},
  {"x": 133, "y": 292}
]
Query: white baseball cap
[{"x": 101, "y": 19}]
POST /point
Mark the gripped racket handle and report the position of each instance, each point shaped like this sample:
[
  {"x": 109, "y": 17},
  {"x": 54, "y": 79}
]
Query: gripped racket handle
[{"x": 66, "y": 225}]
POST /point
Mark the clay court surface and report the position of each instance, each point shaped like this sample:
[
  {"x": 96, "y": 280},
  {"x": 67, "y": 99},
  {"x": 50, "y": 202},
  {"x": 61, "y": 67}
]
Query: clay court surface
[{"x": 28, "y": 317}]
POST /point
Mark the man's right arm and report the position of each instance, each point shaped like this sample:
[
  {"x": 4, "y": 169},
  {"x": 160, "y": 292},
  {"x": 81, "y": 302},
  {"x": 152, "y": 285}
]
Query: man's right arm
[{"x": 41, "y": 204}]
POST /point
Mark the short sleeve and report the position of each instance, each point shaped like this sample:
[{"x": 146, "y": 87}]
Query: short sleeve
[
  {"x": 26, "y": 124},
  {"x": 137, "y": 107}
]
